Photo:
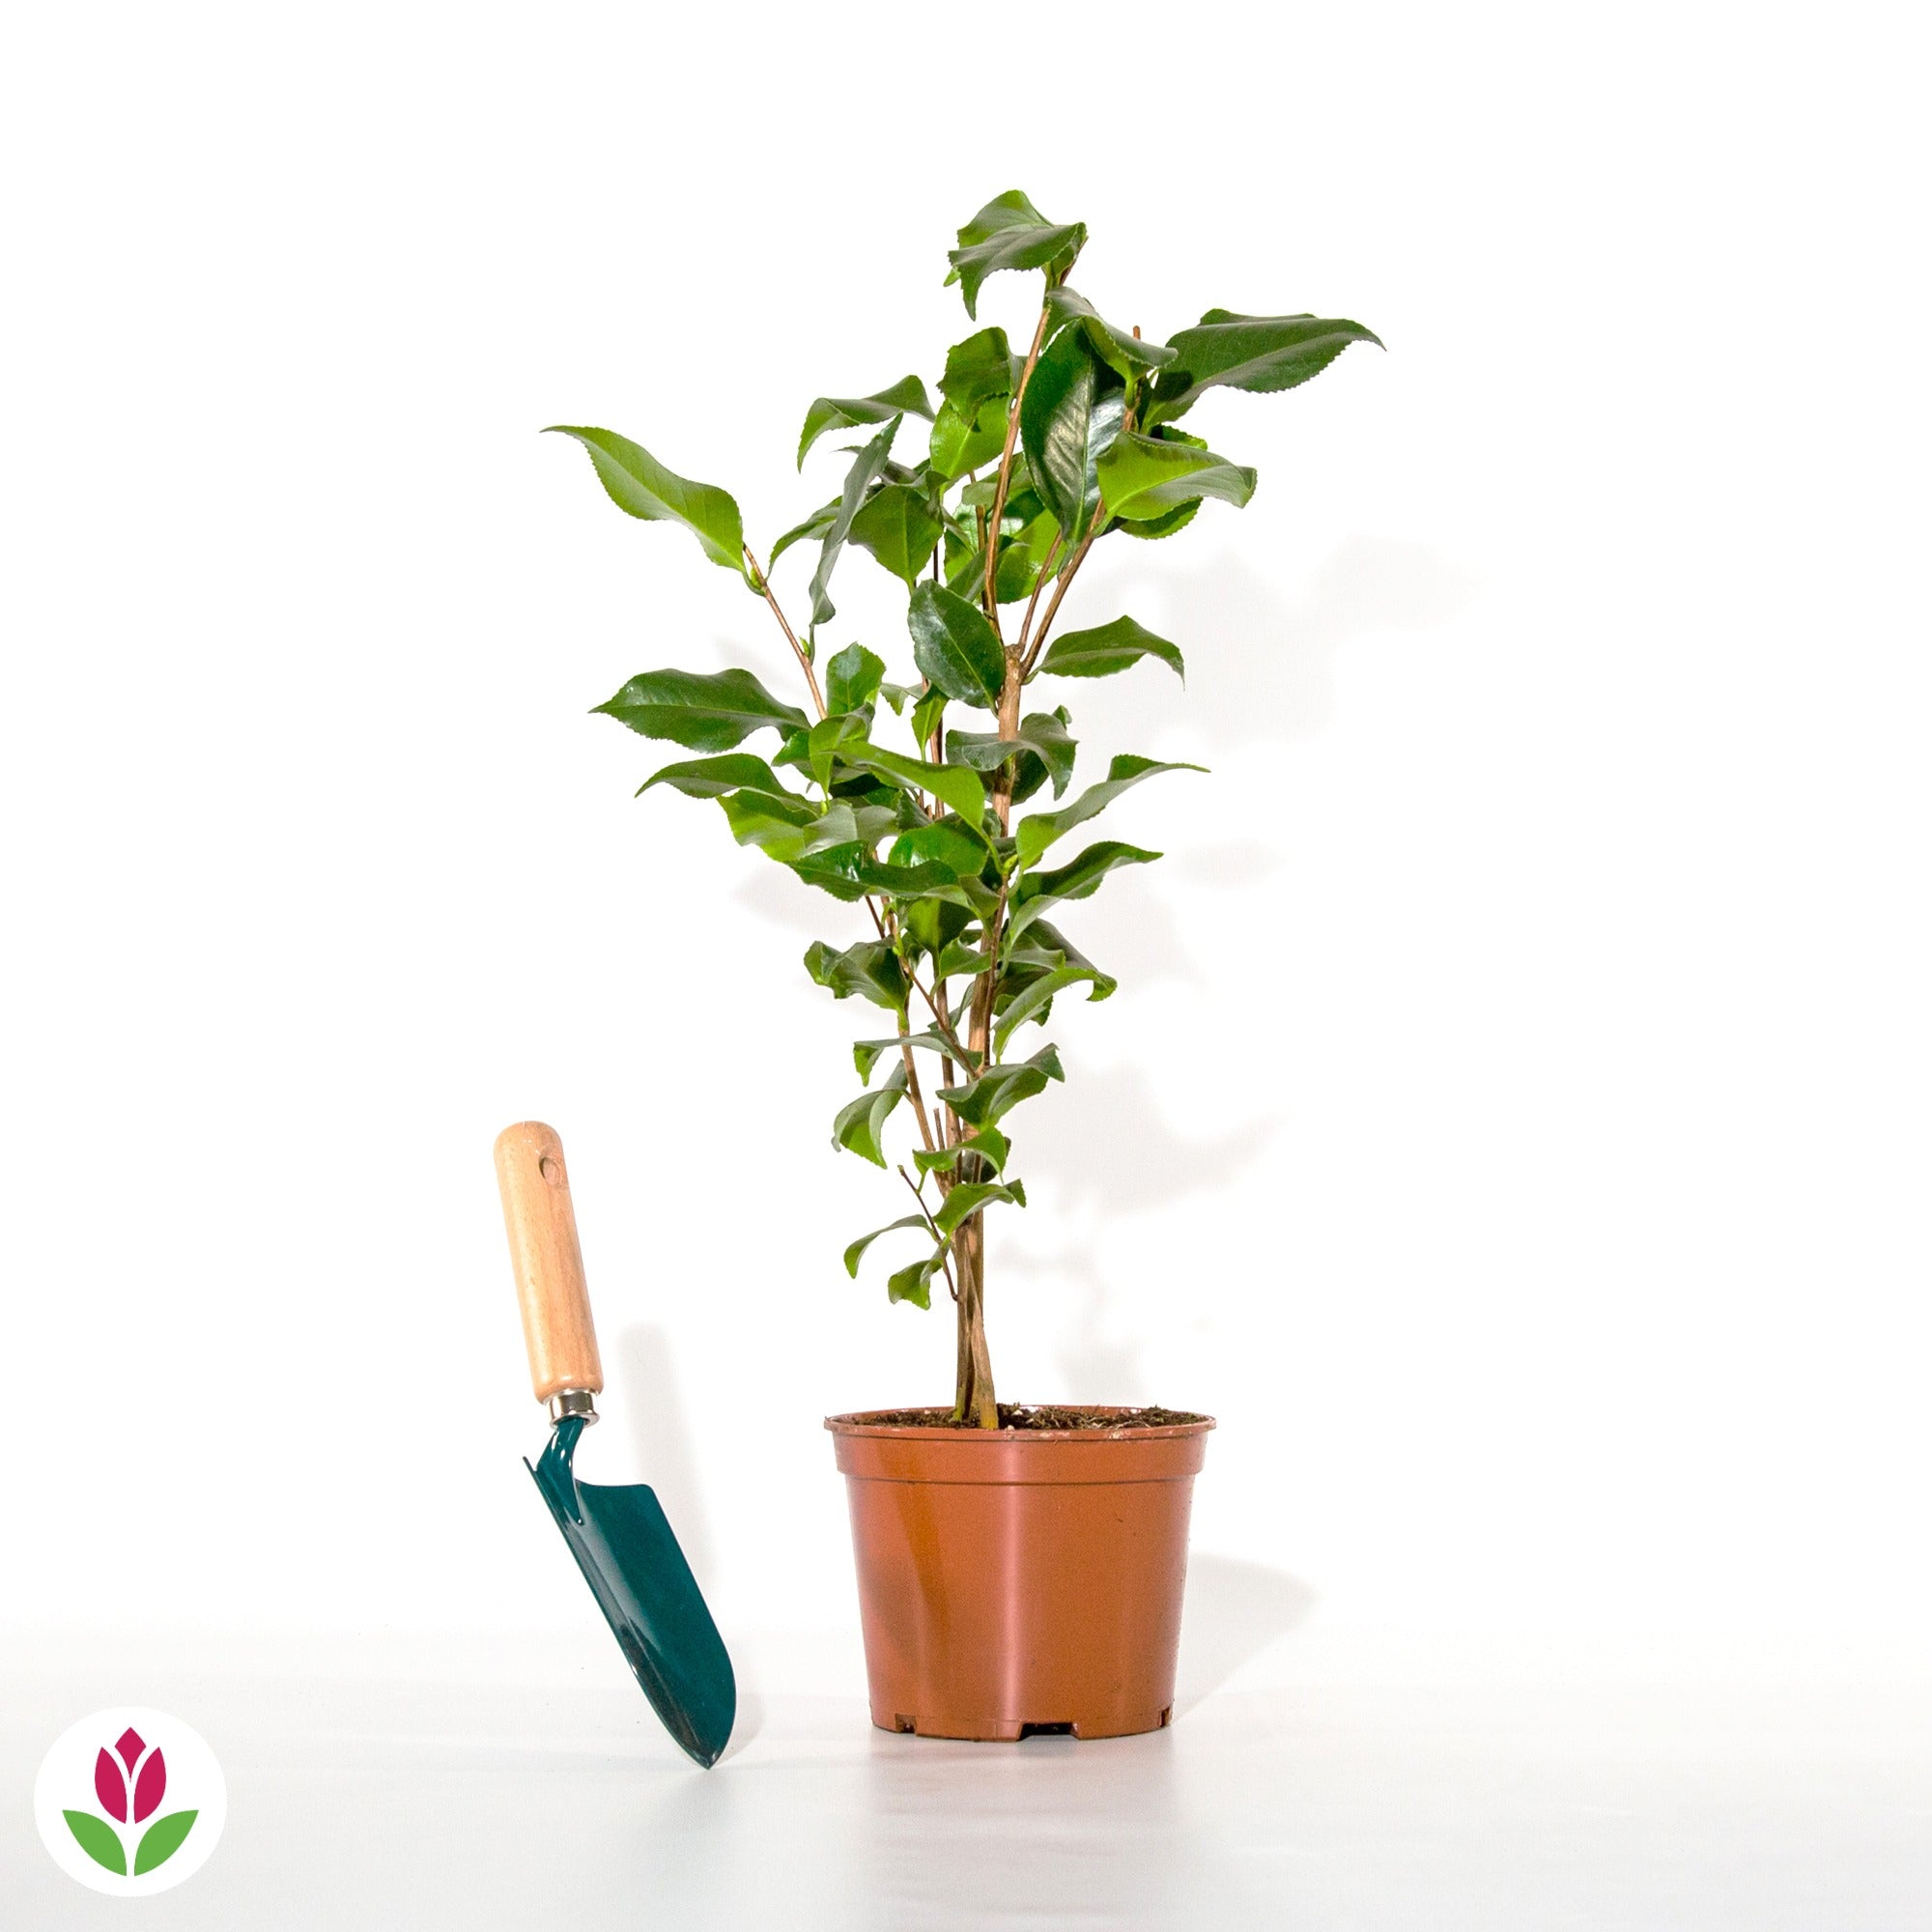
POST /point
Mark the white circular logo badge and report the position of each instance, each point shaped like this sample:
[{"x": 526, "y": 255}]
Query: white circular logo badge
[{"x": 129, "y": 1802}]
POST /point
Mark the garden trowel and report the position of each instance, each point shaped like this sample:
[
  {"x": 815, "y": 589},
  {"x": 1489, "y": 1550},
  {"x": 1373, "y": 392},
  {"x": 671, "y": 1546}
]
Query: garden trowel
[{"x": 616, "y": 1532}]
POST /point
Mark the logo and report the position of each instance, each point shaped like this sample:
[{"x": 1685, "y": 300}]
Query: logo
[{"x": 129, "y": 1802}]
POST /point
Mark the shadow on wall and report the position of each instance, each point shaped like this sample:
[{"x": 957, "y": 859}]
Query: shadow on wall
[
  {"x": 1261, "y": 668},
  {"x": 1232, "y": 1612},
  {"x": 662, "y": 1438},
  {"x": 1105, "y": 1143}
]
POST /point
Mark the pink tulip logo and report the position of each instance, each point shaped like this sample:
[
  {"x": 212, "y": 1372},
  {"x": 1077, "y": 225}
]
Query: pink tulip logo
[{"x": 129, "y": 1782}]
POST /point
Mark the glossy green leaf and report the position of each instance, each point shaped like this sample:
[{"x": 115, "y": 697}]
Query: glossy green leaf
[
  {"x": 927, "y": 715},
  {"x": 979, "y": 370},
  {"x": 713, "y": 778},
  {"x": 1036, "y": 891},
  {"x": 859, "y": 480},
  {"x": 852, "y": 679},
  {"x": 1255, "y": 352},
  {"x": 955, "y": 646},
  {"x": 969, "y": 1197},
  {"x": 1042, "y": 734},
  {"x": 1038, "y": 831},
  {"x": 830, "y": 413},
  {"x": 914, "y": 1284},
  {"x": 855, "y": 1251},
  {"x": 940, "y": 843},
  {"x": 817, "y": 524},
  {"x": 1024, "y": 553},
  {"x": 1121, "y": 349},
  {"x": 871, "y": 968},
  {"x": 1108, "y": 648},
  {"x": 161, "y": 1840},
  {"x": 895, "y": 523},
  {"x": 1010, "y": 233},
  {"x": 1140, "y": 476},
  {"x": 868, "y": 1053},
  {"x": 1070, "y": 417},
  {"x": 1033, "y": 1001},
  {"x": 862, "y": 1121},
  {"x": 988, "y": 1146},
  {"x": 829, "y": 740},
  {"x": 99, "y": 1840},
  {"x": 702, "y": 712},
  {"x": 641, "y": 486},
  {"x": 1000, "y": 1089},
  {"x": 960, "y": 441},
  {"x": 960, "y": 791}
]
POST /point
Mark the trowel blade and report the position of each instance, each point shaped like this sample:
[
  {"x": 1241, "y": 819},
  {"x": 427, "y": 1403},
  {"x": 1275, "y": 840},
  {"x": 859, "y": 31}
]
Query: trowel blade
[{"x": 645, "y": 1588}]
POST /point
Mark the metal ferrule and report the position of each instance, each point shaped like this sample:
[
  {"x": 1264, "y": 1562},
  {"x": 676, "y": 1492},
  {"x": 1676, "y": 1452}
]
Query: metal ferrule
[{"x": 573, "y": 1402}]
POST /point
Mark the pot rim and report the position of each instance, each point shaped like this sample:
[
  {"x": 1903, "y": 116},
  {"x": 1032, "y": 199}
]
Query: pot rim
[{"x": 864, "y": 1422}]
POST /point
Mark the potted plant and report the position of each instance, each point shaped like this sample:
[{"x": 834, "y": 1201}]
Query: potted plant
[{"x": 1021, "y": 1568}]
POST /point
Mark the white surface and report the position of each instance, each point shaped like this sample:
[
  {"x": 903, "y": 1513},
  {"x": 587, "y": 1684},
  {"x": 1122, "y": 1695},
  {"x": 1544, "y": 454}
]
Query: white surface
[
  {"x": 1513, "y": 1121},
  {"x": 381, "y": 1790}
]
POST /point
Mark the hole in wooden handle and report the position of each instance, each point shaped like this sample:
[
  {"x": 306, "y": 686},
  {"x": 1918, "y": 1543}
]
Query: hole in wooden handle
[{"x": 550, "y": 1169}]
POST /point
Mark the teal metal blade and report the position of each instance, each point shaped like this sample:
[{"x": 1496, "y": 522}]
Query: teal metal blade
[{"x": 645, "y": 1588}]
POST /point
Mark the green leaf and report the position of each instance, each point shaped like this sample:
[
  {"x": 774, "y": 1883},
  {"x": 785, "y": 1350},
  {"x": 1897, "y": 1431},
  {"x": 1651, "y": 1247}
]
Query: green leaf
[
  {"x": 1122, "y": 350},
  {"x": 1070, "y": 417},
  {"x": 855, "y": 1251},
  {"x": 1000, "y": 1089},
  {"x": 925, "y": 716},
  {"x": 911, "y": 1283},
  {"x": 960, "y": 441},
  {"x": 852, "y": 679},
  {"x": 979, "y": 370},
  {"x": 1023, "y": 557},
  {"x": 99, "y": 1840},
  {"x": 704, "y": 713},
  {"x": 871, "y": 968},
  {"x": 1257, "y": 353},
  {"x": 940, "y": 844},
  {"x": 782, "y": 826},
  {"x": 817, "y": 524},
  {"x": 955, "y": 646},
  {"x": 989, "y": 1144},
  {"x": 829, "y": 740},
  {"x": 1034, "y": 1001},
  {"x": 897, "y": 526},
  {"x": 1141, "y": 478},
  {"x": 862, "y": 1121},
  {"x": 161, "y": 1840},
  {"x": 1108, "y": 648},
  {"x": 858, "y": 479},
  {"x": 1037, "y": 831},
  {"x": 1010, "y": 233},
  {"x": 713, "y": 778},
  {"x": 828, "y": 414},
  {"x": 638, "y": 484},
  {"x": 1078, "y": 881},
  {"x": 960, "y": 791},
  {"x": 868, "y": 1053},
  {"x": 1042, "y": 734},
  {"x": 969, "y": 1197}
]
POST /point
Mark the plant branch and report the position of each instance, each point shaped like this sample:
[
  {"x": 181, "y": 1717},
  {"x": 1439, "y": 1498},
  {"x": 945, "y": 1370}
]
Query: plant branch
[
  {"x": 764, "y": 589},
  {"x": 990, "y": 538},
  {"x": 1040, "y": 585},
  {"x": 1067, "y": 575},
  {"x": 952, "y": 1287}
]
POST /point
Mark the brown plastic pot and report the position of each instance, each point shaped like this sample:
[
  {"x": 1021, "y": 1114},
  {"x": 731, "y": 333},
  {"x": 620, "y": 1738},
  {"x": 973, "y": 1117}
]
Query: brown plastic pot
[{"x": 1019, "y": 1580}]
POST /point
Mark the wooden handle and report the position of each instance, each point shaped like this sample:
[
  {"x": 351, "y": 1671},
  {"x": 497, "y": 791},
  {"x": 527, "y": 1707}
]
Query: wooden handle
[{"x": 548, "y": 1262}]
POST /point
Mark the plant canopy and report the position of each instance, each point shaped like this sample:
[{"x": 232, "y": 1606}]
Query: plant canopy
[{"x": 899, "y": 794}]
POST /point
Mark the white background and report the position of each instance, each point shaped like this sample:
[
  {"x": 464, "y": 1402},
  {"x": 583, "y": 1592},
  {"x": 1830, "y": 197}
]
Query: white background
[{"x": 1513, "y": 1122}]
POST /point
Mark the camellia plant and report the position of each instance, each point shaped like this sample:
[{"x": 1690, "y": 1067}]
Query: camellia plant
[{"x": 1031, "y": 459}]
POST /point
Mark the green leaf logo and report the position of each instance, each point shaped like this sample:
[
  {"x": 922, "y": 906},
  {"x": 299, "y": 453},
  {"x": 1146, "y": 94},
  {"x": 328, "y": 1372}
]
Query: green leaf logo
[
  {"x": 99, "y": 1840},
  {"x": 161, "y": 1840}
]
